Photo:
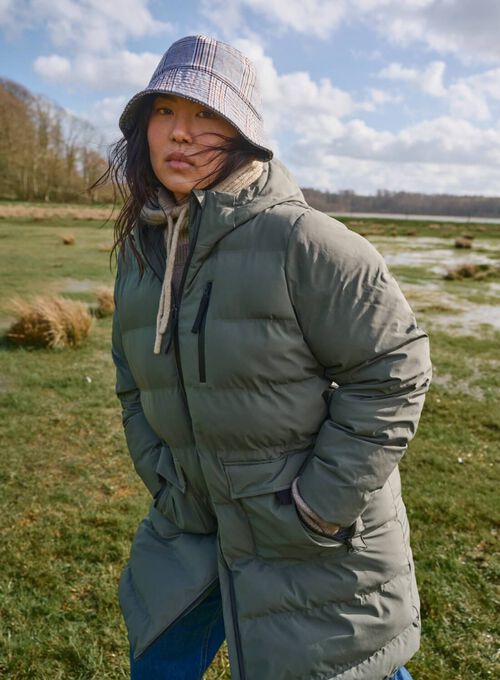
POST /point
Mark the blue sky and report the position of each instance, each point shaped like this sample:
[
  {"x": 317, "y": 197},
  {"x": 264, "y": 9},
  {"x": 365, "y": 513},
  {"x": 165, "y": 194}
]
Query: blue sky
[{"x": 358, "y": 94}]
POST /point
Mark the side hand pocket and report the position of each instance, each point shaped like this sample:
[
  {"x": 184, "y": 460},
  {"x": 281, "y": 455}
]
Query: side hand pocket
[
  {"x": 169, "y": 475},
  {"x": 176, "y": 500}
]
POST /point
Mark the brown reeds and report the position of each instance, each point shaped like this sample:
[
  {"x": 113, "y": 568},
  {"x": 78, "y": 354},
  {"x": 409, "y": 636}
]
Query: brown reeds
[
  {"x": 105, "y": 302},
  {"x": 469, "y": 270},
  {"x": 463, "y": 242},
  {"x": 52, "y": 322}
]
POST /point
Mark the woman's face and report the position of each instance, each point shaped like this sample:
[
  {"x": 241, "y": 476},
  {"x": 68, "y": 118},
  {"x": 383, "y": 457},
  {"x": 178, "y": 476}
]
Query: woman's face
[{"x": 180, "y": 134}]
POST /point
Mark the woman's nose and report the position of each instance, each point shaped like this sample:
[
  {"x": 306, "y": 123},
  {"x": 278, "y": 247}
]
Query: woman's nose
[{"x": 181, "y": 130}]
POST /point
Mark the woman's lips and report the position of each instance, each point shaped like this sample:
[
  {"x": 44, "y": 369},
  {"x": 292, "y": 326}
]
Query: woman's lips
[{"x": 179, "y": 161}]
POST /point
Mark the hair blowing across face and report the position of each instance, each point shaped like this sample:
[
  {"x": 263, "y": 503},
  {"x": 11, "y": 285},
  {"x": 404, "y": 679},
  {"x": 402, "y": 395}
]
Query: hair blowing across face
[{"x": 130, "y": 172}]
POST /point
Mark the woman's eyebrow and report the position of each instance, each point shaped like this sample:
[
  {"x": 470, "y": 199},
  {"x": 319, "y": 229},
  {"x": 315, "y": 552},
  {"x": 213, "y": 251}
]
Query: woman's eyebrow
[{"x": 168, "y": 97}]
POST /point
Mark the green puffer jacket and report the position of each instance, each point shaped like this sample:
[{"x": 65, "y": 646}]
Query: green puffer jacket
[{"x": 292, "y": 353}]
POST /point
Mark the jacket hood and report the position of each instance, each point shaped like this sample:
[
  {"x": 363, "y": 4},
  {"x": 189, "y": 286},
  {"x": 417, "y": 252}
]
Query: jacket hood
[{"x": 274, "y": 186}]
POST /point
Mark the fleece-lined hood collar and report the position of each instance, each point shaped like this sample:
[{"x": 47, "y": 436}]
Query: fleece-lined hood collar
[{"x": 275, "y": 185}]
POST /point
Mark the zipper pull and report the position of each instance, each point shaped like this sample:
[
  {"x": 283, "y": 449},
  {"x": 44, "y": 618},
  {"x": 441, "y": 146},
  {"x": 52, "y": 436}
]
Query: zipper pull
[{"x": 203, "y": 307}]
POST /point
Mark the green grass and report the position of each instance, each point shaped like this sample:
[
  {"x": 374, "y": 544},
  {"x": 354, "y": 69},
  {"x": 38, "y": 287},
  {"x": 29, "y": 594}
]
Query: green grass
[
  {"x": 70, "y": 500},
  {"x": 34, "y": 257}
]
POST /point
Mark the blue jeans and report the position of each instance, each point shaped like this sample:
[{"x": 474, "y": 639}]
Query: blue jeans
[{"x": 186, "y": 649}]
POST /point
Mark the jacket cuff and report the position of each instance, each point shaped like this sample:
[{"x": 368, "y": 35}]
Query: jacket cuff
[{"x": 309, "y": 517}]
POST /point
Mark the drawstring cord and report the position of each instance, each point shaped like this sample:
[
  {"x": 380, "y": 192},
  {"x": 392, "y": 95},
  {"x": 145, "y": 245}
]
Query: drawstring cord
[{"x": 171, "y": 235}]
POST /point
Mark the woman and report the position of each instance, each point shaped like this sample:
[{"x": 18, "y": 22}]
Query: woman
[{"x": 271, "y": 374}]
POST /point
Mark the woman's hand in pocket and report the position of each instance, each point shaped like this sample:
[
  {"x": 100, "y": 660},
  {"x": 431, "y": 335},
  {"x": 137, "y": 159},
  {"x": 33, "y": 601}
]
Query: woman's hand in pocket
[{"x": 309, "y": 517}]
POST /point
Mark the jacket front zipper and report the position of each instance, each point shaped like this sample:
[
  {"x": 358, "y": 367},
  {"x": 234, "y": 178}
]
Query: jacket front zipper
[
  {"x": 173, "y": 322},
  {"x": 178, "y": 306},
  {"x": 234, "y": 615},
  {"x": 236, "y": 627},
  {"x": 199, "y": 327}
]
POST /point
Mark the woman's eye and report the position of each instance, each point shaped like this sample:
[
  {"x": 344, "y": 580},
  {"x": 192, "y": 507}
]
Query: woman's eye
[
  {"x": 207, "y": 114},
  {"x": 164, "y": 110}
]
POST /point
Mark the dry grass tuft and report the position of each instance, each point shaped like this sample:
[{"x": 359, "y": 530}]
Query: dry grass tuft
[
  {"x": 50, "y": 322},
  {"x": 106, "y": 303},
  {"x": 68, "y": 239},
  {"x": 463, "y": 242},
  {"x": 468, "y": 270},
  {"x": 462, "y": 271}
]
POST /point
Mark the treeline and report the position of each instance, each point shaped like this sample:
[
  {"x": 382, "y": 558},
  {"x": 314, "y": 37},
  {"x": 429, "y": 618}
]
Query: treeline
[
  {"x": 46, "y": 154},
  {"x": 403, "y": 202}
]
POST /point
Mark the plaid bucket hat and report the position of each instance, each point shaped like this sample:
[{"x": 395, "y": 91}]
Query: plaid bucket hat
[{"x": 214, "y": 74}]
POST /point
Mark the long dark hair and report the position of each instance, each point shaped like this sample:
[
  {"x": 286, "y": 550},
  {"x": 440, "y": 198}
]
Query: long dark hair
[{"x": 130, "y": 172}]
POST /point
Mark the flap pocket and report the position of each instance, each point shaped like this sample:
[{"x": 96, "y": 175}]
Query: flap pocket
[
  {"x": 169, "y": 469},
  {"x": 268, "y": 476},
  {"x": 275, "y": 529}
]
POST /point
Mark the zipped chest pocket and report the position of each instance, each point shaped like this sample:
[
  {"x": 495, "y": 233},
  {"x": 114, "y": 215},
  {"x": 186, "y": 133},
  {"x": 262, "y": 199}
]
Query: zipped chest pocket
[{"x": 199, "y": 327}]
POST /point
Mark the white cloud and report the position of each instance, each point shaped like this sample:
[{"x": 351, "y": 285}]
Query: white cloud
[
  {"x": 473, "y": 96},
  {"x": 379, "y": 98},
  {"x": 323, "y": 138},
  {"x": 6, "y": 7},
  {"x": 432, "y": 79},
  {"x": 467, "y": 29},
  {"x": 397, "y": 72},
  {"x": 104, "y": 115},
  {"x": 429, "y": 80},
  {"x": 466, "y": 102},
  {"x": 439, "y": 141},
  {"x": 438, "y": 155},
  {"x": 487, "y": 83},
  {"x": 318, "y": 17},
  {"x": 122, "y": 69},
  {"x": 53, "y": 67},
  {"x": 294, "y": 101},
  {"x": 107, "y": 110},
  {"x": 467, "y": 97},
  {"x": 315, "y": 17},
  {"x": 14, "y": 18},
  {"x": 86, "y": 25},
  {"x": 366, "y": 176}
]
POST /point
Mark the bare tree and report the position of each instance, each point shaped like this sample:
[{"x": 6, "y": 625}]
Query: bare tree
[{"x": 46, "y": 153}]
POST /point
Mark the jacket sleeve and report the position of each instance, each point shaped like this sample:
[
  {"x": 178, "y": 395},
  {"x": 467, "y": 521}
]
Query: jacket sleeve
[
  {"x": 362, "y": 331},
  {"x": 143, "y": 443}
]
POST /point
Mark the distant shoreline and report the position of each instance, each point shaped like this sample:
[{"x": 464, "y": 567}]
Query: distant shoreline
[
  {"x": 85, "y": 211},
  {"x": 420, "y": 218}
]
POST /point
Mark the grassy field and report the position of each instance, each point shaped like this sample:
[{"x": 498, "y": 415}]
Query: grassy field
[{"x": 70, "y": 500}]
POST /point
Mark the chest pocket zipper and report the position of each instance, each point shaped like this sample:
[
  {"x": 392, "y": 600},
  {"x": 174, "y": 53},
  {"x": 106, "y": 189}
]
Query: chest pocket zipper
[{"x": 199, "y": 327}]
